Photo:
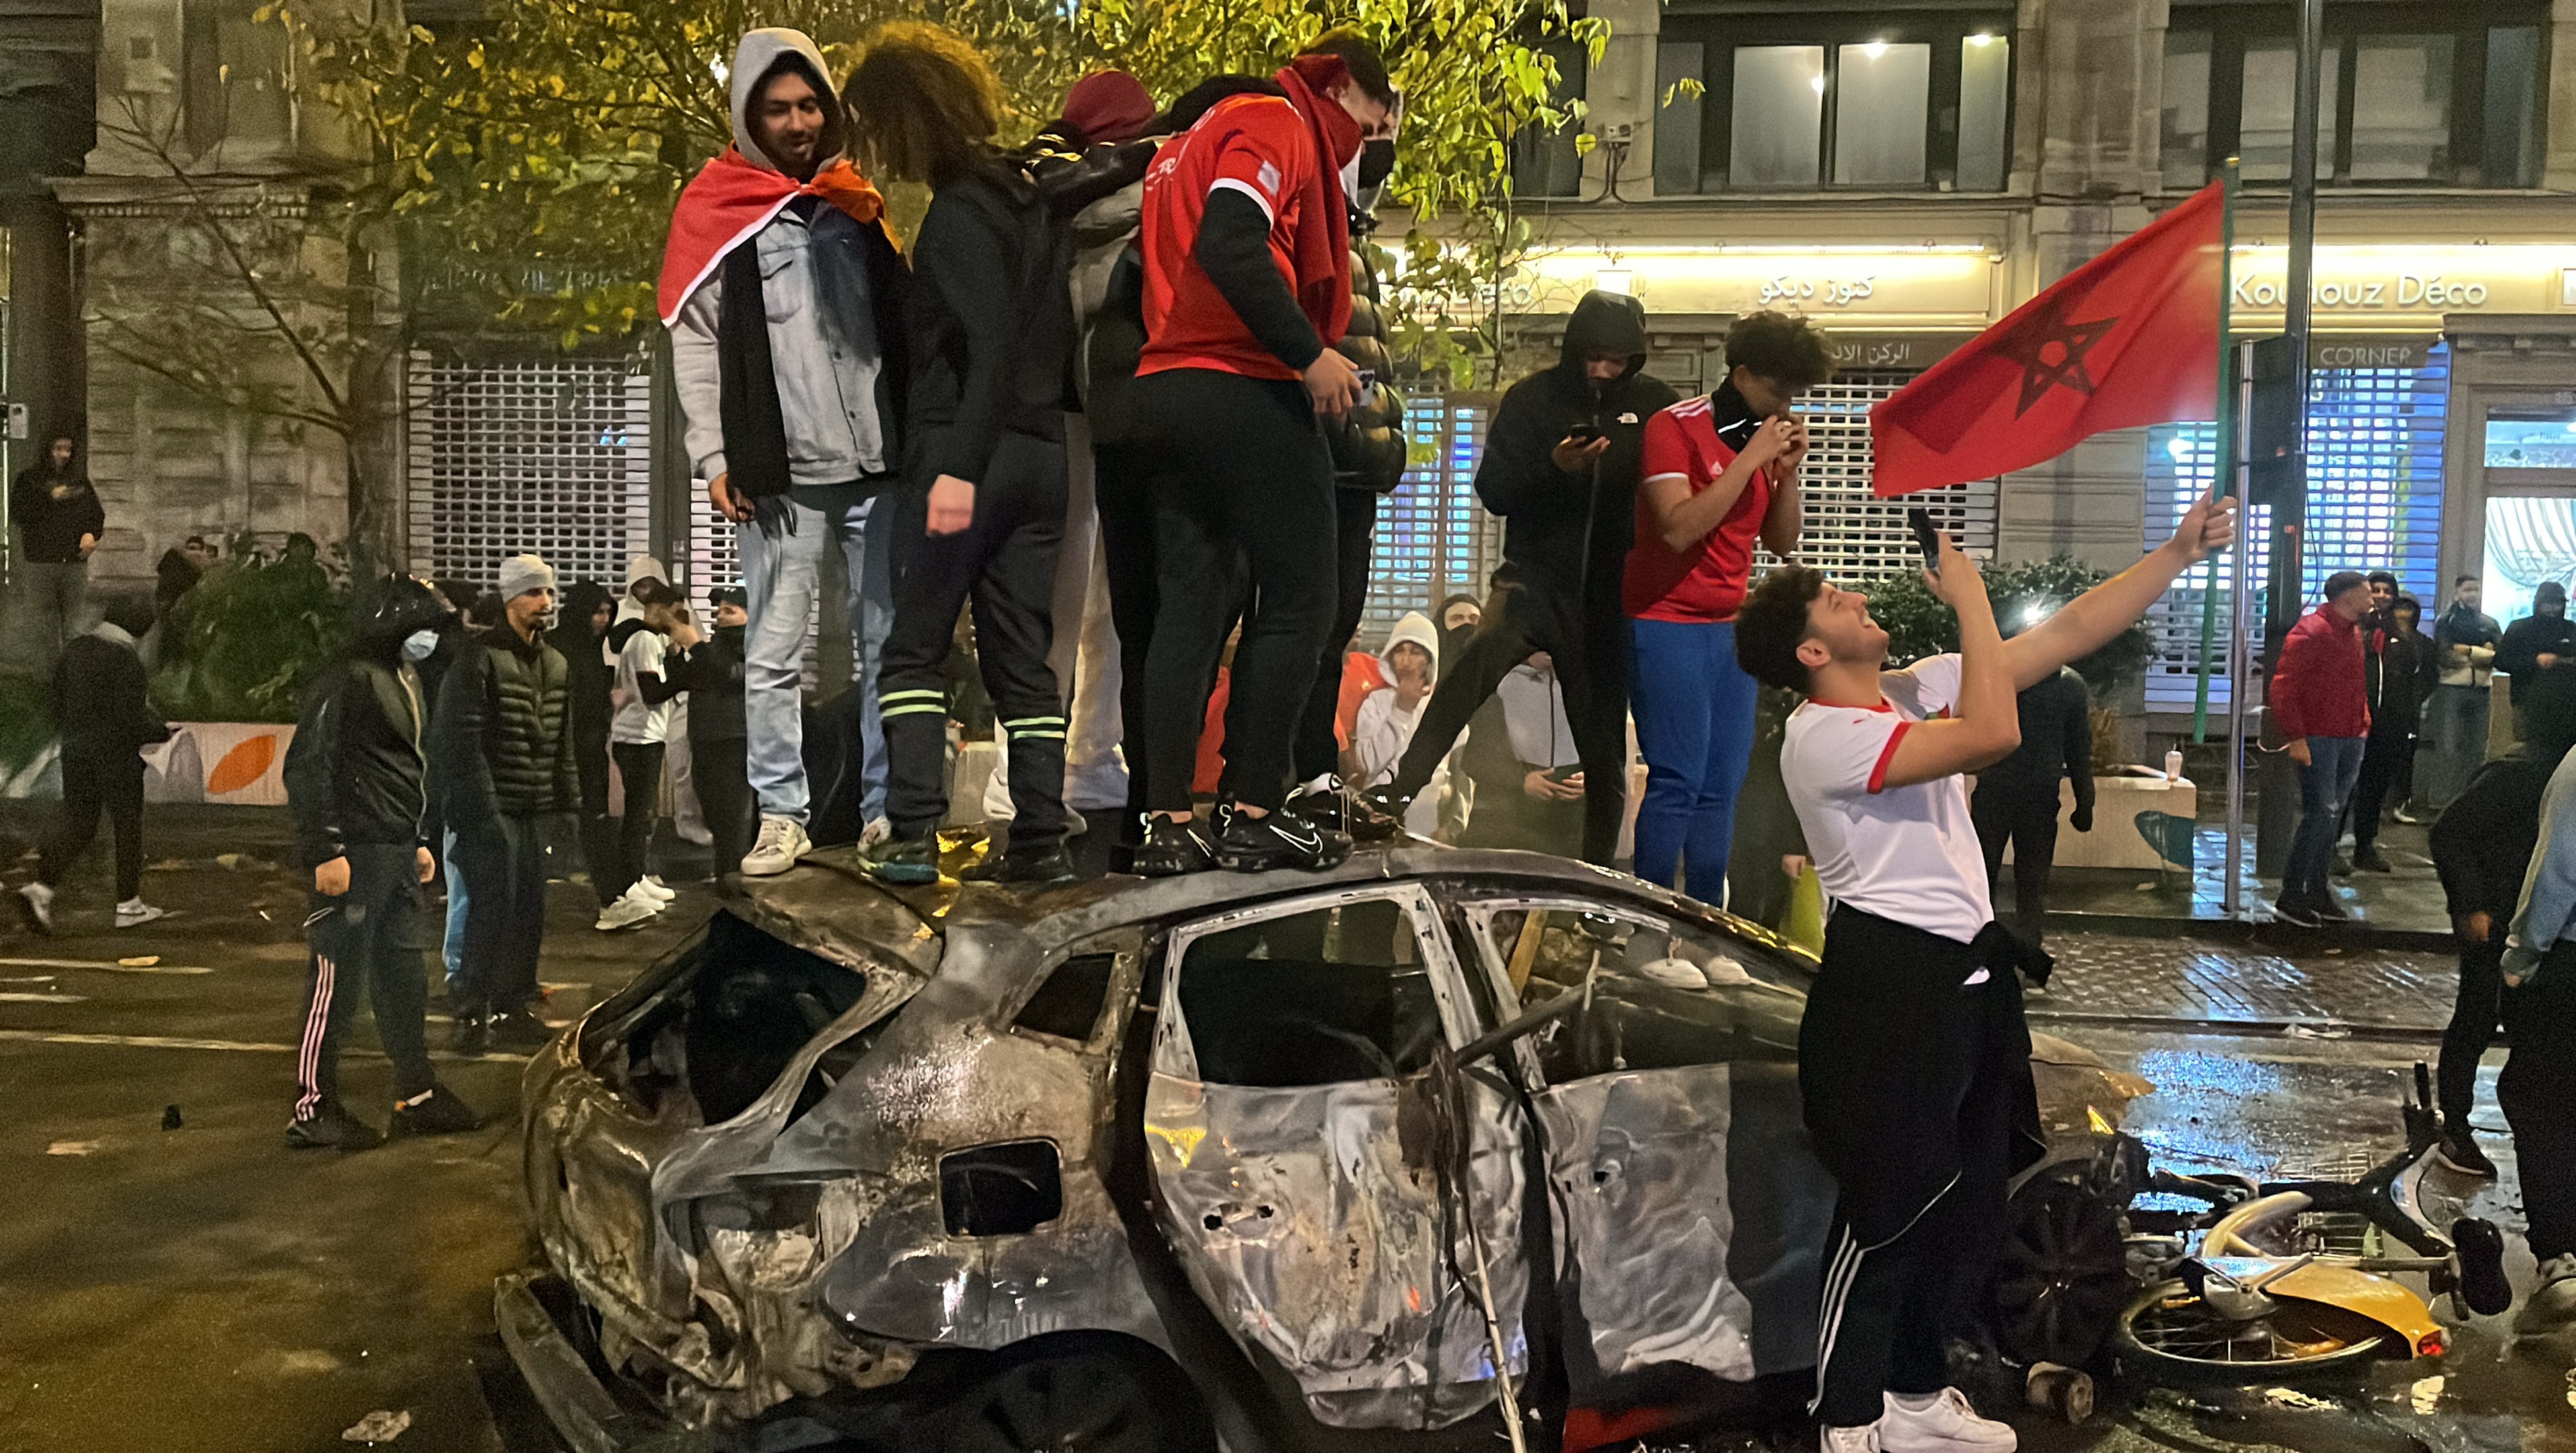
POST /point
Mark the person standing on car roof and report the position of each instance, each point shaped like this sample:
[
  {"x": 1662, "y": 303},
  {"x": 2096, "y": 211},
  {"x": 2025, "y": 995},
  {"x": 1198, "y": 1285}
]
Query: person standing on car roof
[
  {"x": 991, "y": 329},
  {"x": 1561, "y": 467},
  {"x": 1246, "y": 232},
  {"x": 502, "y": 762},
  {"x": 1913, "y": 1056},
  {"x": 357, "y": 780},
  {"x": 785, "y": 299}
]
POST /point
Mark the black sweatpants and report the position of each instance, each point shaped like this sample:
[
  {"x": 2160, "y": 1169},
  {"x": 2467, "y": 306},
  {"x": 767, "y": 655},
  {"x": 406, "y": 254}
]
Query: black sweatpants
[
  {"x": 2384, "y": 765},
  {"x": 639, "y": 774},
  {"x": 2023, "y": 814},
  {"x": 1917, "y": 1089},
  {"x": 720, "y": 768},
  {"x": 2475, "y": 1012},
  {"x": 2538, "y": 1092},
  {"x": 1354, "y": 528},
  {"x": 365, "y": 943},
  {"x": 600, "y": 851},
  {"x": 94, "y": 783},
  {"x": 1591, "y": 657},
  {"x": 1005, "y": 564},
  {"x": 1241, "y": 476},
  {"x": 504, "y": 861}
]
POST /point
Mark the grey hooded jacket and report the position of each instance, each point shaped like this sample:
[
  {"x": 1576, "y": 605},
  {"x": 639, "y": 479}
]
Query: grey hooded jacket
[{"x": 827, "y": 318}]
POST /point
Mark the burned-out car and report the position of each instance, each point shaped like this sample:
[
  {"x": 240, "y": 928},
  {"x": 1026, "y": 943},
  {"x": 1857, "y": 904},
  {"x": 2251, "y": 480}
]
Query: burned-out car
[{"x": 1389, "y": 1156}]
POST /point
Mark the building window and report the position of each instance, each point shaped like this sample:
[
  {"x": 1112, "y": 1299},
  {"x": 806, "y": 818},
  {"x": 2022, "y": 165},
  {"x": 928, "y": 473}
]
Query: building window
[
  {"x": 1912, "y": 100},
  {"x": 2408, "y": 94},
  {"x": 1545, "y": 160}
]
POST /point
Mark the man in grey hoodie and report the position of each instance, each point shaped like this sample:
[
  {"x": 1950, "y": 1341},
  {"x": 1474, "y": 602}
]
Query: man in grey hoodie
[{"x": 785, "y": 299}]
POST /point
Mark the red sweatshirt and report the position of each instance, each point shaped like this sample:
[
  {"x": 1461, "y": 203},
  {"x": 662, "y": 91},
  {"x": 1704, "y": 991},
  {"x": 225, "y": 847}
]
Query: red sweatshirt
[{"x": 2317, "y": 688}]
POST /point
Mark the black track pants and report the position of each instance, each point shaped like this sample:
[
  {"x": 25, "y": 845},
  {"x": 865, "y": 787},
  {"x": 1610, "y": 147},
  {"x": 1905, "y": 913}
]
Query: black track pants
[
  {"x": 365, "y": 944},
  {"x": 92, "y": 786},
  {"x": 504, "y": 861},
  {"x": 1241, "y": 474},
  {"x": 1004, "y": 563},
  {"x": 1354, "y": 525},
  {"x": 639, "y": 770}
]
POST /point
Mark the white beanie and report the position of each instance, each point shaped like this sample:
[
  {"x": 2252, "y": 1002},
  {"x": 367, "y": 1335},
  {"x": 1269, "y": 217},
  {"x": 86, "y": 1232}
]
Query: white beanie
[{"x": 523, "y": 573}]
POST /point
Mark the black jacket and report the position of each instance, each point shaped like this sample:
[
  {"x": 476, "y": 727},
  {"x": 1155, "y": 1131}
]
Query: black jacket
[
  {"x": 2056, "y": 740},
  {"x": 2530, "y": 638},
  {"x": 711, "y": 672},
  {"x": 358, "y": 769},
  {"x": 2483, "y": 842},
  {"x": 755, "y": 437},
  {"x": 501, "y": 741},
  {"x": 992, "y": 324},
  {"x": 2397, "y": 676},
  {"x": 1548, "y": 513},
  {"x": 1368, "y": 442},
  {"x": 101, "y": 700},
  {"x": 53, "y": 511}
]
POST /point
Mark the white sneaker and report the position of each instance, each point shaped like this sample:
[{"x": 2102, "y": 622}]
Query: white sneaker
[
  {"x": 782, "y": 843},
  {"x": 626, "y": 912},
  {"x": 134, "y": 913},
  {"x": 1948, "y": 1425},
  {"x": 657, "y": 888},
  {"x": 1863, "y": 1439},
  {"x": 36, "y": 905},
  {"x": 877, "y": 831},
  {"x": 2551, "y": 1307}
]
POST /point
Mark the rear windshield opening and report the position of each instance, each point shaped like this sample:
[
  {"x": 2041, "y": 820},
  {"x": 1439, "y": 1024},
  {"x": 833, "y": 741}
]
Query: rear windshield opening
[{"x": 720, "y": 1028}]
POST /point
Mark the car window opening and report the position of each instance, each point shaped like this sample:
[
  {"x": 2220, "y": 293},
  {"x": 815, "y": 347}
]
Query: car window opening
[
  {"x": 726, "y": 1027},
  {"x": 1317, "y": 998},
  {"x": 1666, "y": 996}
]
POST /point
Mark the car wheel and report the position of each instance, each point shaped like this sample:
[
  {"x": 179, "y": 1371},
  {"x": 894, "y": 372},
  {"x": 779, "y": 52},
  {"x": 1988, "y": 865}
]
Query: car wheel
[
  {"x": 1081, "y": 1403},
  {"x": 2063, "y": 1276}
]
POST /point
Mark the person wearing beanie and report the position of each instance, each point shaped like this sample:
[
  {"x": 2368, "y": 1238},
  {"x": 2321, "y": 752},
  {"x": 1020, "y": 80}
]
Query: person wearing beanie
[
  {"x": 788, "y": 307},
  {"x": 358, "y": 784},
  {"x": 1389, "y": 715},
  {"x": 503, "y": 760},
  {"x": 106, "y": 720},
  {"x": 1109, "y": 107}
]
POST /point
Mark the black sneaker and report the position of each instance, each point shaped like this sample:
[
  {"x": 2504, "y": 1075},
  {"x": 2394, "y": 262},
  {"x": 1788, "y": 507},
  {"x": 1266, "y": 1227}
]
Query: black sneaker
[
  {"x": 1171, "y": 849},
  {"x": 473, "y": 1032},
  {"x": 1280, "y": 840},
  {"x": 331, "y": 1128},
  {"x": 518, "y": 1030},
  {"x": 1378, "y": 814},
  {"x": 904, "y": 859},
  {"x": 2294, "y": 911},
  {"x": 2459, "y": 1151},
  {"x": 1022, "y": 869},
  {"x": 2342, "y": 866},
  {"x": 2371, "y": 859},
  {"x": 2326, "y": 910},
  {"x": 436, "y": 1112}
]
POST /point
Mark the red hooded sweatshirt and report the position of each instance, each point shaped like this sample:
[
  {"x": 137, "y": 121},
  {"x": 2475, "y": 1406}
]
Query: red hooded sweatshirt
[{"x": 2317, "y": 688}]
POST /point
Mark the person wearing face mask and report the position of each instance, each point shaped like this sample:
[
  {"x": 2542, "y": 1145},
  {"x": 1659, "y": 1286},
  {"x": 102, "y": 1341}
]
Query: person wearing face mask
[
  {"x": 710, "y": 671},
  {"x": 1247, "y": 284},
  {"x": 1561, "y": 468},
  {"x": 357, "y": 780},
  {"x": 786, "y": 302}
]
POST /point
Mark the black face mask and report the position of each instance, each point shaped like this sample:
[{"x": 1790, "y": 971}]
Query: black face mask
[{"x": 1377, "y": 162}]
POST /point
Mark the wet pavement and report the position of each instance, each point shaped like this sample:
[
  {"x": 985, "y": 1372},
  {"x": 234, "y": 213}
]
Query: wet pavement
[{"x": 204, "y": 1287}]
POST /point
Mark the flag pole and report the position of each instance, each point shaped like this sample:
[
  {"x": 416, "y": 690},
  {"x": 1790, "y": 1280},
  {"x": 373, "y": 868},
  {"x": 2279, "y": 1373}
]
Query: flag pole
[{"x": 2223, "y": 474}]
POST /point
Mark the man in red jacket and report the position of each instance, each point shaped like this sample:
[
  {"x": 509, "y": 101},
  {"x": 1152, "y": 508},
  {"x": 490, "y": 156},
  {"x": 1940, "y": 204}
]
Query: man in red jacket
[{"x": 2319, "y": 703}]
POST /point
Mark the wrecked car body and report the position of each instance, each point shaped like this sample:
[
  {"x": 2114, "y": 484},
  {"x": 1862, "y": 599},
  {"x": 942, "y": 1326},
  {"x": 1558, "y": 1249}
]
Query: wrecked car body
[{"x": 1278, "y": 1159}]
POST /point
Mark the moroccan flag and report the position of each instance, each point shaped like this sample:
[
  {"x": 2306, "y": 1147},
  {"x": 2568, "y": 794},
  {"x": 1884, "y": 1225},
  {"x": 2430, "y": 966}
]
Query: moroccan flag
[{"x": 2129, "y": 338}]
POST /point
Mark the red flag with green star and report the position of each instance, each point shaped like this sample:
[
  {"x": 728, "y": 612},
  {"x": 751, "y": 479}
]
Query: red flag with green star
[{"x": 2128, "y": 339}]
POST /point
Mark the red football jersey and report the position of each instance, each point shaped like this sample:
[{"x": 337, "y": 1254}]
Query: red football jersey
[
  {"x": 1706, "y": 581},
  {"x": 1254, "y": 144}
]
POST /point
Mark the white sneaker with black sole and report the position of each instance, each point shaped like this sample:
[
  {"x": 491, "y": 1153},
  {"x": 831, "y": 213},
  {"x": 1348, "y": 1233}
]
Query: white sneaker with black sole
[
  {"x": 628, "y": 911},
  {"x": 657, "y": 888},
  {"x": 134, "y": 913},
  {"x": 36, "y": 905},
  {"x": 782, "y": 844},
  {"x": 1943, "y": 1423}
]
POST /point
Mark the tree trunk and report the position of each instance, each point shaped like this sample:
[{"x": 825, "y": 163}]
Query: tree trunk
[{"x": 379, "y": 530}]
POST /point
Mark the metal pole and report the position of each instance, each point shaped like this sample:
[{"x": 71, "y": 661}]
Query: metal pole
[
  {"x": 2292, "y": 509},
  {"x": 2240, "y": 632},
  {"x": 2220, "y": 480}
]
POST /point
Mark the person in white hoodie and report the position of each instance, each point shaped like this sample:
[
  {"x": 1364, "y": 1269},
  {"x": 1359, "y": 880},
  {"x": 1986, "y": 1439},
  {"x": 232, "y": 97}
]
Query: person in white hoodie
[
  {"x": 785, "y": 298},
  {"x": 1388, "y": 715}
]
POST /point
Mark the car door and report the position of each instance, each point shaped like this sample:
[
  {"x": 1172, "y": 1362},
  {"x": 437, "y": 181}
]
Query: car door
[
  {"x": 1304, "y": 1176},
  {"x": 1691, "y": 1211}
]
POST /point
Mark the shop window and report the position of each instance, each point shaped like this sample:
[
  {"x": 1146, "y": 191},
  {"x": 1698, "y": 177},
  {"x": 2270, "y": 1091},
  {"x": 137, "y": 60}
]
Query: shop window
[
  {"x": 2408, "y": 95},
  {"x": 2530, "y": 543},
  {"x": 2531, "y": 440},
  {"x": 1677, "y": 117},
  {"x": 1545, "y": 159},
  {"x": 546, "y": 453},
  {"x": 1848, "y": 531},
  {"x": 1433, "y": 539},
  {"x": 1799, "y": 101}
]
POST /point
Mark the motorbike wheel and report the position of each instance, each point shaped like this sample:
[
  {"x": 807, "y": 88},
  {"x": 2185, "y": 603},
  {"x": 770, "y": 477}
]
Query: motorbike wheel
[
  {"x": 2168, "y": 1334},
  {"x": 2063, "y": 1275}
]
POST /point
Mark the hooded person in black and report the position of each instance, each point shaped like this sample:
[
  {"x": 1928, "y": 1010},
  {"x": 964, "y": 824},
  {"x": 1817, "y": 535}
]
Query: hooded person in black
[
  {"x": 2542, "y": 641},
  {"x": 1560, "y": 467},
  {"x": 588, "y": 610}
]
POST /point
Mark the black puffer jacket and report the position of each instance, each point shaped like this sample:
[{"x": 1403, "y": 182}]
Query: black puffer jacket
[
  {"x": 1549, "y": 513},
  {"x": 501, "y": 739},
  {"x": 1368, "y": 442},
  {"x": 358, "y": 769}
]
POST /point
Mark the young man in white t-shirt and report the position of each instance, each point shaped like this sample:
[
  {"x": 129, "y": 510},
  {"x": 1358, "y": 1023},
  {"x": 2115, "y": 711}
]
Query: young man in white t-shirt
[{"x": 1914, "y": 1060}]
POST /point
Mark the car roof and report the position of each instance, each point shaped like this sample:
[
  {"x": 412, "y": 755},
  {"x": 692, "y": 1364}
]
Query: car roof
[{"x": 830, "y": 908}]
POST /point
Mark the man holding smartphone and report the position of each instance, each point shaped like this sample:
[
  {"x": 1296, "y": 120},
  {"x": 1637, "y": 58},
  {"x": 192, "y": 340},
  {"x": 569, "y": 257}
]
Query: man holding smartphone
[{"x": 1560, "y": 467}]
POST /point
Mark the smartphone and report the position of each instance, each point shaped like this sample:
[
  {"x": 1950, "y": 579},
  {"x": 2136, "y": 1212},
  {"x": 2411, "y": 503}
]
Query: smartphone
[
  {"x": 1584, "y": 434},
  {"x": 1560, "y": 774},
  {"x": 1926, "y": 538},
  {"x": 1368, "y": 386}
]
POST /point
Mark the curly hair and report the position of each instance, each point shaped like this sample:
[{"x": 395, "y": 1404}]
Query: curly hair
[
  {"x": 1781, "y": 347},
  {"x": 923, "y": 102},
  {"x": 1773, "y": 621}
]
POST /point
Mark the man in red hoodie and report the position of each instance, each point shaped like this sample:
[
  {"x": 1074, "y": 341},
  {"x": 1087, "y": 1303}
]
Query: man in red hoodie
[
  {"x": 1247, "y": 285},
  {"x": 2322, "y": 710}
]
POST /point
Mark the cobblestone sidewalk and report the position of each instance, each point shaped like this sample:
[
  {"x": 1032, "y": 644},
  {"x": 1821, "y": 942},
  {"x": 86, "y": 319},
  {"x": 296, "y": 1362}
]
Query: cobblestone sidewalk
[{"x": 2112, "y": 976}]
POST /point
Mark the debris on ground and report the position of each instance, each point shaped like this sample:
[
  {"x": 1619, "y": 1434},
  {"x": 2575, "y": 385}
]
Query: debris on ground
[
  {"x": 2328, "y": 1030},
  {"x": 170, "y": 1117},
  {"x": 75, "y": 1147},
  {"x": 2426, "y": 1394},
  {"x": 140, "y": 961},
  {"x": 380, "y": 1426}
]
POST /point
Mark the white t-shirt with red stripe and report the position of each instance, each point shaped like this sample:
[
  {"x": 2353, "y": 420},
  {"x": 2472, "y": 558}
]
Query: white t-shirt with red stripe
[{"x": 1908, "y": 854}]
